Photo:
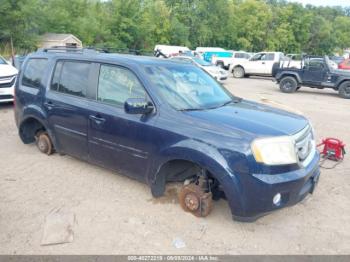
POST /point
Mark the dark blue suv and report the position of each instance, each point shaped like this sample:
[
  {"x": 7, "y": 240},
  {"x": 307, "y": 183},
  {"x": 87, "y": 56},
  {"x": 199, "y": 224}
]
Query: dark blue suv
[{"x": 161, "y": 121}]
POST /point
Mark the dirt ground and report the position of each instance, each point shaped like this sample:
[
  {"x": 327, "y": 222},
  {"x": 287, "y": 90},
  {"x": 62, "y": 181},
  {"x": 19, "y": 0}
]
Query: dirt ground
[{"x": 117, "y": 215}]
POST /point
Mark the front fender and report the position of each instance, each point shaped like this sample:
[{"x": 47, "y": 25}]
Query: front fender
[{"x": 207, "y": 157}]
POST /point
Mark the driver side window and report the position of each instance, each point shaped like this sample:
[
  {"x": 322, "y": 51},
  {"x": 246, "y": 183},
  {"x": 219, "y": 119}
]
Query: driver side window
[
  {"x": 316, "y": 65},
  {"x": 117, "y": 84},
  {"x": 258, "y": 57}
]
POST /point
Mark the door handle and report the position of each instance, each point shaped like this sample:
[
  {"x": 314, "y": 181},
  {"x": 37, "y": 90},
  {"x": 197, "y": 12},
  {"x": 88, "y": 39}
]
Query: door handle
[
  {"x": 49, "y": 105},
  {"x": 97, "y": 119}
]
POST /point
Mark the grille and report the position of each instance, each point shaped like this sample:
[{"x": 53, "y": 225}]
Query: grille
[
  {"x": 6, "y": 97},
  {"x": 7, "y": 84},
  {"x": 305, "y": 146}
]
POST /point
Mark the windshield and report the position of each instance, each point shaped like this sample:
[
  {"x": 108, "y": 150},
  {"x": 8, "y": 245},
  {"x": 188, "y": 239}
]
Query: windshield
[
  {"x": 331, "y": 65},
  {"x": 187, "y": 87},
  {"x": 201, "y": 62}
]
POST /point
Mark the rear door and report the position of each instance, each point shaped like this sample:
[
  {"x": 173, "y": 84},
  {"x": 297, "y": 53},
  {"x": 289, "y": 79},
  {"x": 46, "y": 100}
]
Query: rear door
[
  {"x": 267, "y": 62},
  {"x": 67, "y": 106},
  {"x": 118, "y": 140}
]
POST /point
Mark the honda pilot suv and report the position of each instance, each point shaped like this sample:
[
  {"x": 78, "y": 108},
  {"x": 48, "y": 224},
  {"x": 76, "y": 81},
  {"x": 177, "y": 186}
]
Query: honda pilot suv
[{"x": 161, "y": 121}]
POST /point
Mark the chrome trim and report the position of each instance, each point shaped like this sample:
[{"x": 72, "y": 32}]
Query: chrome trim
[
  {"x": 7, "y": 79},
  {"x": 305, "y": 145}
]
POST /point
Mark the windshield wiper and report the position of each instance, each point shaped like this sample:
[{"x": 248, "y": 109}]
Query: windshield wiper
[{"x": 191, "y": 109}]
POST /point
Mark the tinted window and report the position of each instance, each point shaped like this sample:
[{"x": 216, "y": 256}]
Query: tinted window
[
  {"x": 71, "y": 78},
  {"x": 34, "y": 72},
  {"x": 117, "y": 84},
  {"x": 240, "y": 55},
  {"x": 56, "y": 77},
  {"x": 316, "y": 65}
]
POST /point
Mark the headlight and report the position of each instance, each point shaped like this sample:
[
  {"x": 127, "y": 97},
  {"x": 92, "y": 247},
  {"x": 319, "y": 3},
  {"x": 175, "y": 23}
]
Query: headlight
[{"x": 275, "y": 150}]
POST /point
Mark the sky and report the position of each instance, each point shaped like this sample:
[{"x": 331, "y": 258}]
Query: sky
[{"x": 324, "y": 2}]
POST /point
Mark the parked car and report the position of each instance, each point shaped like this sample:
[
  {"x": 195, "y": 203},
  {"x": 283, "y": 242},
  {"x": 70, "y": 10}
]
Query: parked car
[
  {"x": 160, "y": 121},
  {"x": 7, "y": 80},
  {"x": 202, "y": 50},
  {"x": 337, "y": 59},
  {"x": 215, "y": 71},
  {"x": 260, "y": 64},
  {"x": 208, "y": 56},
  {"x": 169, "y": 50},
  {"x": 345, "y": 65},
  {"x": 316, "y": 72},
  {"x": 225, "y": 62}
]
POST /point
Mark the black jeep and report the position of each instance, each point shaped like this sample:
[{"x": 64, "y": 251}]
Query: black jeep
[{"x": 315, "y": 72}]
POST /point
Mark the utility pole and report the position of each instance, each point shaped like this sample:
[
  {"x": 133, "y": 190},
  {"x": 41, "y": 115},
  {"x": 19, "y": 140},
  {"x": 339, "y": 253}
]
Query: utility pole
[{"x": 12, "y": 51}]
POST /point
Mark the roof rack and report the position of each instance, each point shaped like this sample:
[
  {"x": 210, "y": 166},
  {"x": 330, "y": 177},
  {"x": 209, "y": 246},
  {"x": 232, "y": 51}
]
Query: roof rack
[
  {"x": 79, "y": 50},
  {"x": 61, "y": 48}
]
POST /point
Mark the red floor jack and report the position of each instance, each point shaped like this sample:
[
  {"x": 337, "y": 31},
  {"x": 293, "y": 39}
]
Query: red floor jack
[{"x": 333, "y": 149}]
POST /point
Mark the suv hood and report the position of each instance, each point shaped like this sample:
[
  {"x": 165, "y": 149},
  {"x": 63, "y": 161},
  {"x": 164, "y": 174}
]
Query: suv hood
[
  {"x": 250, "y": 117},
  {"x": 7, "y": 70}
]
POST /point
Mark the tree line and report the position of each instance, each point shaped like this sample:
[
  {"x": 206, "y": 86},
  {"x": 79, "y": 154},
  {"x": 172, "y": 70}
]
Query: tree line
[{"x": 250, "y": 25}]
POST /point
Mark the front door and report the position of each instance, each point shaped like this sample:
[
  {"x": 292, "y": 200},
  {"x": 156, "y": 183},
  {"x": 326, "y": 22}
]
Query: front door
[
  {"x": 256, "y": 65},
  {"x": 118, "y": 140},
  {"x": 314, "y": 72}
]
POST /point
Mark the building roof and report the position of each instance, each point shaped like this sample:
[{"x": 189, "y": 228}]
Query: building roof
[{"x": 58, "y": 37}]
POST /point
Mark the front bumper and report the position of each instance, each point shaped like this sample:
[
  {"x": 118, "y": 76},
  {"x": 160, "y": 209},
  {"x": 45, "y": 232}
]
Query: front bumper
[
  {"x": 258, "y": 190},
  {"x": 220, "y": 77}
]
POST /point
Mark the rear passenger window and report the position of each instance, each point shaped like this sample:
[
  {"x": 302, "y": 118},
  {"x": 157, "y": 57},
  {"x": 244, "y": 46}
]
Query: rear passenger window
[
  {"x": 117, "y": 84},
  {"x": 269, "y": 57},
  {"x": 71, "y": 78},
  {"x": 34, "y": 72}
]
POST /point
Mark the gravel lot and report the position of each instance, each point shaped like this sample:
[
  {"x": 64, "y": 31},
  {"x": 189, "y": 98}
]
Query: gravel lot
[{"x": 117, "y": 215}]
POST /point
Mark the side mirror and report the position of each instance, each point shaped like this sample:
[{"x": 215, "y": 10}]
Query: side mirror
[{"x": 138, "y": 106}]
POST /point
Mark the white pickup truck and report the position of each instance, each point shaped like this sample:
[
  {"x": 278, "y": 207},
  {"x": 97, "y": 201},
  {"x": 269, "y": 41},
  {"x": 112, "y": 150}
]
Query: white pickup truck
[
  {"x": 260, "y": 64},
  {"x": 225, "y": 62}
]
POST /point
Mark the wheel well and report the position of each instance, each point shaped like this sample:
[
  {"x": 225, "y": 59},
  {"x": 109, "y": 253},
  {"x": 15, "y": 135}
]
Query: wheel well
[
  {"x": 289, "y": 75},
  {"x": 345, "y": 80},
  {"x": 29, "y": 128},
  {"x": 178, "y": 170},
  {"x": 174, "y": 171}
]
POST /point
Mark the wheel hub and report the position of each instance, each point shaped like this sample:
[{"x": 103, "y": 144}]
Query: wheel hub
[
  {"x": 42, "y": 144},
  {"x": 191, "y": 202},
  {"x": 195, "y": 200}
]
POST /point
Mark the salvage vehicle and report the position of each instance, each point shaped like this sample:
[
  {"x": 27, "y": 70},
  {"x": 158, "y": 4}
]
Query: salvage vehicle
[
  {"x": 161, "y": 121},
  {"x": 316, "y": 72},
  {"x": 7, "y": 80},
  {"x": 261, "y": 64},
  {"x": 218, "y": 73}
]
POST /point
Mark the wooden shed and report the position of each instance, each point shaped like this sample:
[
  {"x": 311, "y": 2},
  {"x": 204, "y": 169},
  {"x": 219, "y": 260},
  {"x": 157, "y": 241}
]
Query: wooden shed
[{"x": 50, "y": 40}]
